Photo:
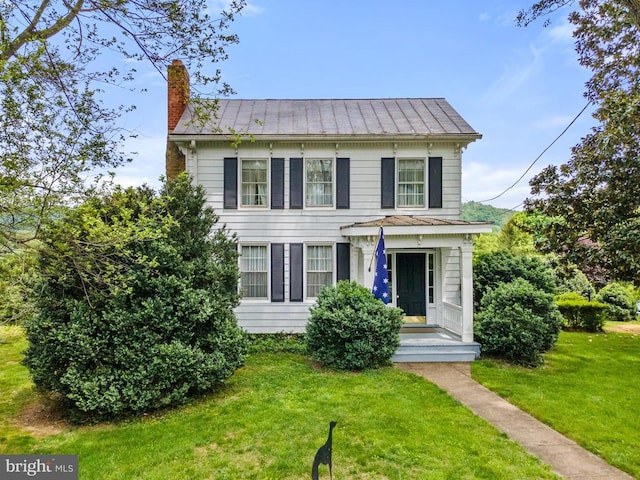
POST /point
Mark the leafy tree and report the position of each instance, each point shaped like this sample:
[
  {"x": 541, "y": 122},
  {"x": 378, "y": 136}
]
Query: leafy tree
[
  {"x": 17, "y": 273},
  {"x": 57, "y": 129},
  {"x": 515, "y": 235},
  {"x": 594, "y": 199},
  {"x": 492, "y": 269},
  {"x": 620, "y": 301},
  {"x": 135, "y": 305}
]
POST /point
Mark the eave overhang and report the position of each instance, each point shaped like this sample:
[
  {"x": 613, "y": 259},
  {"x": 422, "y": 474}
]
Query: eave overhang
[
  {"x": 463, "y": 139},
  {"x": 404, "y": 225}
]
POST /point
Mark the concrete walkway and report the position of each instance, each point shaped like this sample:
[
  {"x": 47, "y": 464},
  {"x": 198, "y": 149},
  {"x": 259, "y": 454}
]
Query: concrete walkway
[{"x": 566, "y": 457}]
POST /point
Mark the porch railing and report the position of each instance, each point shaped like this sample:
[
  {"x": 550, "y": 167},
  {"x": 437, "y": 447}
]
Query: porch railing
[{"x": 452, "y": 318}]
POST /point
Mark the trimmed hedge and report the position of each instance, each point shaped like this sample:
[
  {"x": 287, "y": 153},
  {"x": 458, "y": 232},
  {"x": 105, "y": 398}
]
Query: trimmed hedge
[
  {"x": 581, "y": 314},
  {"x": 349, "y": 329}
]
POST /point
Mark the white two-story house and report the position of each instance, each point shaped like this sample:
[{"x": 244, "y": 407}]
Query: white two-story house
[{"x": 308, "y": 188}]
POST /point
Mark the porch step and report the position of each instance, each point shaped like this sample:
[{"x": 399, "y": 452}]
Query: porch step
[{"x": 434, "y": 347}]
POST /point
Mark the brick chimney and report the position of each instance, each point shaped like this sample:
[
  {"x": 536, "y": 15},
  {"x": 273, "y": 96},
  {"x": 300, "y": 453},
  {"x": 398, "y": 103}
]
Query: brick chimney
[{"x": 177, "y": 100}]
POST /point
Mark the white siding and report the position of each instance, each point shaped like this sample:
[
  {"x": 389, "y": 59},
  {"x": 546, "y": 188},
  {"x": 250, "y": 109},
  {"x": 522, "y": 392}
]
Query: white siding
[{"x": 320, "y": 225}]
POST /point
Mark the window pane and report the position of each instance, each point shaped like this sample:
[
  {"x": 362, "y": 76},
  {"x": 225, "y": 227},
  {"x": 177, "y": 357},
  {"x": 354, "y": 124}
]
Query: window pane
[
  {"x": 411, "y": 183},
  {"x": 254, "y": 183},
  {"x": 253, "y": 266},
  {"x": 319, "y": 268},
  {"x": 319, "y": 182}
]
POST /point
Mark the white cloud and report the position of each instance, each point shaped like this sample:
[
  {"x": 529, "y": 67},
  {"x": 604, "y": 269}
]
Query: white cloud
[
  {"x": 555, "y": 121},
  {"x": 249, "y": 9},
  {"x": 514, "y": 76},
  {"x": 252, "y": 10},
  {"x": 562, "y": 33},
  {"x": 147, "y": 165},
  {"x": 482, "y": 181},
  {"x": 484, "y": 17}
]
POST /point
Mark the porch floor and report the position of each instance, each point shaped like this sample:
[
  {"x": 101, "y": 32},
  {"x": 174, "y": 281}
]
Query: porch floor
[{"x": 433, "y": 344}]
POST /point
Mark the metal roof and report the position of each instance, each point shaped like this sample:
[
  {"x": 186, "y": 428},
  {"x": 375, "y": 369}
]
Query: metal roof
[{"x": 329, "y": 117}]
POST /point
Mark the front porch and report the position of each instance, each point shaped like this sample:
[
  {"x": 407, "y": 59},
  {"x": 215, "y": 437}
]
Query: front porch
[
  {"x": 429, "y": 265},
  {"x": 433, "y": 344},
  {"x": 437, "y": 343}
]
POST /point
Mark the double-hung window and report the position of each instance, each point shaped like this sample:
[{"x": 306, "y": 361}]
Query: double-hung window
[
  {"x": 319, "y": 182},
  {"x": 411, "y": 182},
  {"x": 254, "y": 271},
  {"x": 319, "y": 268},
  {"x": 255, "y": 183}
]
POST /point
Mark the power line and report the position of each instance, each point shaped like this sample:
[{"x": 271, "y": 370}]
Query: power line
[{"x": 539, "y": 156}]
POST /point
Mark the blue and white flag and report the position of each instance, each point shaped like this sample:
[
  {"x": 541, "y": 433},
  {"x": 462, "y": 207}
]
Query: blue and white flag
[{"x": 381, "y": 279}]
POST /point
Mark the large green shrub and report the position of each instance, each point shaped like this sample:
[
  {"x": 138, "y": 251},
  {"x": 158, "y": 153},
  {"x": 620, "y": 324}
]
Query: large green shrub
[
  {"x": 349, "y": 329},
  {"x": 581, "y": 314},
  {"x": 493, "y": 268},
  {"x": 620, "y": 302},
  {"x": 517, "y": 322},
  {"x": 135, "y": 310}
]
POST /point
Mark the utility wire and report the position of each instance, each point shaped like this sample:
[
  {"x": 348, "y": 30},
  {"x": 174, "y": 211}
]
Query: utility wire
[{"x": 539, "y": 156}]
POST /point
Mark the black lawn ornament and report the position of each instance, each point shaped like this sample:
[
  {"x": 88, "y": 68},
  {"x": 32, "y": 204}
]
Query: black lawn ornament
[{"x": 323, "y": 455}]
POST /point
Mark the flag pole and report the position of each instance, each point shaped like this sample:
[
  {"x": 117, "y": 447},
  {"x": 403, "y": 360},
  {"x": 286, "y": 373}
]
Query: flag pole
[{"x": 376, "y": 245}]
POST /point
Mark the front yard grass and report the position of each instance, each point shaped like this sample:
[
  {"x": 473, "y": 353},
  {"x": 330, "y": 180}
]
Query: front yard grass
[
  {"x": 268, "y": 422},
  {"x": 587, "y": 390}
]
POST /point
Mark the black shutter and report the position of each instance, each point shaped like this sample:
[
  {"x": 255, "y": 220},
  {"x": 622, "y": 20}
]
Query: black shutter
[
  {"x": 296, "y": 182},
  {"x": 343, "y": 182},
  {"x": 435, "y": 182},
  {"x": 388, "y": 182},
  {"x": 277, "y": 272},
  {"x": 296, "y": 272},
  {"x": 230, "y": 183},
  {"x": 344, "y": 261},
  {"x": 277, "y": 183}
]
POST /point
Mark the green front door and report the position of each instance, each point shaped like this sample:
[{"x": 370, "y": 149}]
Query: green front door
[{"x": 411, "y": 284}]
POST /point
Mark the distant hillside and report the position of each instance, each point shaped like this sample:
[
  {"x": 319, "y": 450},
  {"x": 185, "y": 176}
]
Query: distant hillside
[{"x": 479, "y": 212}]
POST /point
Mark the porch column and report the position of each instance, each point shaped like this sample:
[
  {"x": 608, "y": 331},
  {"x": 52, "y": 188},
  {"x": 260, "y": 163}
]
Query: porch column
[
  {"x": 367, "y": 252},
  {"x": 466, "y": 290}
]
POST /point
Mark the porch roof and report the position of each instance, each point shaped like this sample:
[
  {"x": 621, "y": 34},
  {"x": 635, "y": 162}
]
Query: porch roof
[{"x": 412, "y": 225}]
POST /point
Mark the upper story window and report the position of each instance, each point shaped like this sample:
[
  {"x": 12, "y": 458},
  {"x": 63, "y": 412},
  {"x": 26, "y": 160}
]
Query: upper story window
[
  {"x": 319, "y": 182},
  {"x": 411, "y": 182},
  {"x": 319, "y": 268},
  {"x": 254, "y": 271},
  {"x": 255, "y": 185}
]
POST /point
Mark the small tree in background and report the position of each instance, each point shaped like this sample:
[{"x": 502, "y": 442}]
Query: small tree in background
[
  {"x": 620, "y": 302},
  {"x": 135, "y": 309},
  {"x": 349, "y": 329},
  {"x": 17, "y": 272}
]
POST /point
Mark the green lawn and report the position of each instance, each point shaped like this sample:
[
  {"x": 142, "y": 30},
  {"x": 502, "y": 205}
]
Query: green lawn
[
  {"x": 587, "y": 390},
  {"x": 268, "y": 423}
]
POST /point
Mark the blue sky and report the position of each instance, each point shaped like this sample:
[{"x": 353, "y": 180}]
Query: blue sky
[{"x": 519, "y": 87}]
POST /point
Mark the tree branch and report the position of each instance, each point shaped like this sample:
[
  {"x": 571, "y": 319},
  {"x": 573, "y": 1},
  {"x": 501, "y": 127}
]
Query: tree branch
[
  {"x": 634, "y": 10},
  {"x": 32, "y": 33}
]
